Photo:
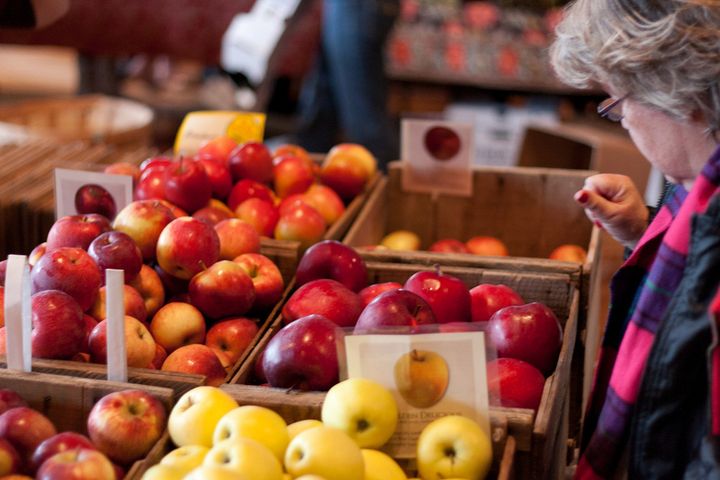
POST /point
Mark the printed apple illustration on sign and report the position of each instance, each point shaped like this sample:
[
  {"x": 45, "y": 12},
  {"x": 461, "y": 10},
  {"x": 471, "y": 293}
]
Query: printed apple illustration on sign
[
  {"x": 442, "y": 143},
  {"x": 421, "y": 377},
  {"x": 91, "y": 198}
]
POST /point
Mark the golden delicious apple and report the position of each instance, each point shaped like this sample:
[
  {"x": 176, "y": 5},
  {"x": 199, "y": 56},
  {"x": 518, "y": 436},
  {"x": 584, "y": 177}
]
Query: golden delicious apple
[
  {"x": 163, "y": 472},
  {"x": 246, "y": 456},
  {"x": 327, "y": 452},
  {"x": 193, "y": 419},
  {"x": 258, "y": 423},
  {"x": 422, "y": 377},
  {"x": 185, "y": 458},
  {"x": 300, "y": 426},
  {"x": 214, "y": 472},
  {"x": 453, "y": 446},
  {"x": 363, "y": 409},
  {"x": 380, "y": 466},
  {"x": 401, "y": 240}
]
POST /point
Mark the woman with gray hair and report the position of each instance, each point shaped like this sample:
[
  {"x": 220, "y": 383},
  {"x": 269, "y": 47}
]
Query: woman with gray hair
[{"x": 655, "y": 407}]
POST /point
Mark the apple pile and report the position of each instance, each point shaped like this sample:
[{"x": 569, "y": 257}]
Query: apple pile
[
  {"x": 122, "y": 427},
  {"x": 282, "y": 194},
  {"x": 478, "y": 245},
  {"x": 217, "y": 439}
]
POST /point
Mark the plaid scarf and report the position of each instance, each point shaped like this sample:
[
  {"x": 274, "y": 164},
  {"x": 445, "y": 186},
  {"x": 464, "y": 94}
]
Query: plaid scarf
[{"x": 640, "y": 294}]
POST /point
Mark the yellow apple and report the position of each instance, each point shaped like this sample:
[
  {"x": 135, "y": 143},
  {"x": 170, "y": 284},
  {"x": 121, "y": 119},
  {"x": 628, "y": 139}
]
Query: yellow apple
[
  {"x": 257, "y": 423},
  {"x": 327, "y": 452},
  {"x": 193, "y": 419},
  {"x": 401, "y": 240},
  {"x": 363, "y": 409},
  {"x": 380, "y": 466},
  {"x": 309, "y": 477},
  {"x": 422, "y": 377},
  {"x": 294, "y": 429},
  {"x": 453, "y": 446},
  {"x": 361, "y": 155},
  {"x": 214, "y": 472},
  {"x": 185, "y": 458},
  {"x": 164, "y": 472},
  {"x": 246, "y": 456}
]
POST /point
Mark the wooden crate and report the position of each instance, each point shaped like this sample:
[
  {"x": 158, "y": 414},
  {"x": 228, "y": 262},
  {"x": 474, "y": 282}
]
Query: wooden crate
[
  {"x": 541, "y": 436},
  {"x": 67, "y": 402},
  {"x": 530, "y": 209}
]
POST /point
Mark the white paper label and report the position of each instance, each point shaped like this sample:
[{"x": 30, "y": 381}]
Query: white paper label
[
  {"x": 198, "y": 128},
  {"x": 115, "y": 305},
  {"x": 69, "y": 182},
  {"x": 18, "y": 315}
]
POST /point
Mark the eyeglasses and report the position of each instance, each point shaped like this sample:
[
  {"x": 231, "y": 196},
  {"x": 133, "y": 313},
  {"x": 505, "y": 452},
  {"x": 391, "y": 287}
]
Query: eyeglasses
[{"x": 610, "y": 109}]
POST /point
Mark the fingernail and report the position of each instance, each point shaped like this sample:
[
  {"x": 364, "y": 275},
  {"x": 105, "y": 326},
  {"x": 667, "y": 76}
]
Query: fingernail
[{"x": 581, "y": 196}]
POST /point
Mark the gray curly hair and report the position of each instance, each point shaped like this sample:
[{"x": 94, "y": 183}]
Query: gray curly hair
[{"x": 665, "y": 53}]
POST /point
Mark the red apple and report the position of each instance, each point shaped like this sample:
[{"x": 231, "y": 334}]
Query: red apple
[
  {"x": 297, "y": 151},
  {"x": 177, "y": 324},
  {"x": 247, "y": 188},
  {"x": 484, "y": 245},
  {"x": 173, "y": 286},
  {"x": 3, "y": 342},
  {"x": 89, "y": 324},
  {"x": 212, "y": 215},
  {"x": 513, "y": 383},
  {"x": 143, "y": 221},
  {"x": 132, "y": 300},
  {"x": 219, "y": 176},
  {"x": 158, "y": 161},
  {"x": 326, "y": 201},
  {"x": 150, "y": 288},
  {"x": 291, "y": 175},
  {"x": 345, "y": 174},
  {"x": 59, "y": 443},
  {"x": 187, "y": 185},
  {"x": 34, "y": 256},
  {"x": 176, "y": 211},
  {"x": 251, "y": 160},
  {"x": 58, "y": 327},
  {"x": 10, "y": 461},
  {"x": 77, "y": 464},
  {"x": 186, "y": 247},
  {"x": 124, "y": 425},
  {"x": 219, "y": 147},
  {"x": 486, "y": 299},
  {"x": 76, "y": 231},
  {"x": 159, "y": 358},
  {"x": 116, "y": 250},
  {"x": 199, "y": 360},
  {"x": 232, "y": 336},
  {"x": 569, "y": 253},
  {"x": 261, "y": 214},
  {"x": 92, "y": 198},
  {"x": 369, "y": 293},
  {"x": 2, "y": 302},
  {"x": 448, "y": 296},
  {"x": 10, "y": 399},
  {"x": 395, "y": 308},
  {"x": 529, "y": 332},
  {"x": 222, "y": 290},
  {"x": 237, "y": 237},
  {"x": 70, "y": 270},
  {"x": 325, "y": 297},
  {"x": 302, "y": 224},
  {"x": 25, "y": 429},
  {"x": 124, "y": 168},
  {"x": 448, "y": 245},
  {"x": 358, "y": 153},
  {"x": 139, "y": 343},
  {"x": 151, "y": 184},
  {"x": 266, "y": 277},
  {"x": 334, "y": 260},
  {"x": 303, "y": 355}
]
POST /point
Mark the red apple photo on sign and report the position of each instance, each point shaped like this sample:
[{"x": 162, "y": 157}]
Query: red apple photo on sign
[{"x": 442, "y": 143}]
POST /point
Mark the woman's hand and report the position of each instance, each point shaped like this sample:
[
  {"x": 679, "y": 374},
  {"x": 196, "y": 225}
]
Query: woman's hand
[{"x": 614, "y": 203}]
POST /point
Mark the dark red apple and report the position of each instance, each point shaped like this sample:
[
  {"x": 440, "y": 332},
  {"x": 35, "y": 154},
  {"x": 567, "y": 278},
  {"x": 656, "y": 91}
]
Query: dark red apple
[
  {"x": 71, "y": 270},
  {"x": 76, "y": 231},
  {"x": 529, "y": 332},
  {"x": 172, "y": 285},
  {"x": 515, "y": 384},
  {"x": 219, "y": 175},
  {"x": 369, "y": 293},
  {"x": 116, "y": 250},
  {"x": 10, "y": 399},
  {"x": 395, "y": 308},
  {"x": 25, "y": 429},
  {"x": 151, "y": 185},
  {"x": 187, "y": 185},
  {"x": 56, "y": 444},
  {"x": 448, "y": 245},
  {"x": 448, "y": 296},
  {"x": 325, "y": 297},
  {"x": 159, "y": 161},
  {"x": 223, "y": 290},
  {"x": 251, "y": 160},
  {"x": 93, "y": 198},
  {"x": 334, "y": 260},
  {"x": 303, "y": 355},
  {"x": 247, "y": 188},
  {"x": 487, "y": 299},
  {"x": 58, "y": 327}
]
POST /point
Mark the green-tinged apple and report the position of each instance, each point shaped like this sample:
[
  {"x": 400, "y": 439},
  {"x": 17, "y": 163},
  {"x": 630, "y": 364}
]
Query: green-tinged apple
[
  {"x": 362, "y": 408},
  {"x": 139, "y": 344},
  {"x": 197, "y": 359},
  {"x": 453, "y": 447},
  {"x": 232, "y": 336},
  {"x": 245, "y": 456},
  {"x": 421, "y": 377},
  {"x": 25, "y": 429},
  {"x": 150, "y": 287},
  {"x": 177, "y": 324},
  {"x": 194, "y": 417},
  {"x": 266, "y": 277},
  {"x": 237, "y": 237},
  {"x": 486, "y": 245},
  {"x": 132, "y": 301},
  {"x": 143, "y": 221},
  {"x": 187, "y": 246},
  {"x": 301, "y": 223},
  {"x": 401, "y": 240},
  {"x": 327, "y": 452},
  {"x": 77, "y": 464},
  {"x": 261, "y": 214},
  {"x": 214, "y": 472},
  {"x": 185, "y": 458},
  {"x": 381, "y": 466},
  {"x": 291, "y": 175},
  {"x": 71, "y": 270},
  {"x": 257, "y": 423},
  {"x": 295, "y": 428},
  {"x": 569, "y": 253},
  {"x": 124, "y": 425},
  {"x": 9, "y": 458},
  {"x": 223, "y": 290}
]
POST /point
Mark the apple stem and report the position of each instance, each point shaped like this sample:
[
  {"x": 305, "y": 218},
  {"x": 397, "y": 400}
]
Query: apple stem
[
  {"x": 416, "y": 356},
  {"x": 362, "y": 425}
]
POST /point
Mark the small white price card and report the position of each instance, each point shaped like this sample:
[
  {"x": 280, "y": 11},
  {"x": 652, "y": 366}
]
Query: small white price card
[
  {"x": 78, "y": 191},
  {"x": 437, "y": 157},
  {"x": 431, "y": 375},
  {"x": 198, "y": 128}
]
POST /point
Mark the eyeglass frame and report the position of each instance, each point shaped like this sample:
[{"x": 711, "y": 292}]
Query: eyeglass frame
[{"x": 606, "y": 107}]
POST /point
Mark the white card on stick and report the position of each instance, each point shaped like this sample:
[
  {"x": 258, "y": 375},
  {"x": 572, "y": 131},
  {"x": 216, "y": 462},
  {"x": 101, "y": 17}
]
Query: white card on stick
[
  {"x": 68, "y": 182},
  {"x": 18, "y": 315},
  {"x": 115, "y": 313}
]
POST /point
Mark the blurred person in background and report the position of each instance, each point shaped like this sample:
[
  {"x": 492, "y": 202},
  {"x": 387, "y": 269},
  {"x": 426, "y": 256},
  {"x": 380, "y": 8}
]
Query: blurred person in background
[
  {"x": 344, "y": 97},
  {"x": 655, "y": 407},
  {"x": 31, "y": 13}
]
